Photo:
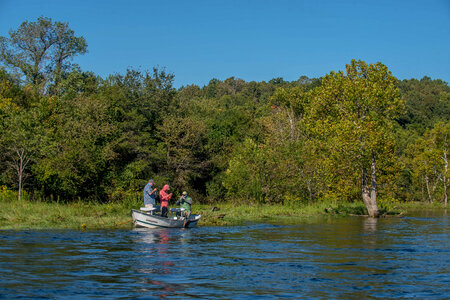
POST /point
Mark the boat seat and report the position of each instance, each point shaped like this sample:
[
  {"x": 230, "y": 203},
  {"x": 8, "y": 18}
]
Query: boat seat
[{"x": 149, "y": 209}]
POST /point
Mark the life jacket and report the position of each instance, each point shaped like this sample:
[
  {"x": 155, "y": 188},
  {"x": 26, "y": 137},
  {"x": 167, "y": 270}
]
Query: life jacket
[{"x": 186, "y": 203}]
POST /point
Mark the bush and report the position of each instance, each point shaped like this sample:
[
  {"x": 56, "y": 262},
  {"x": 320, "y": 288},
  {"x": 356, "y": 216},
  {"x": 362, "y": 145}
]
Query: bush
[{"x": 7, "y": 195}]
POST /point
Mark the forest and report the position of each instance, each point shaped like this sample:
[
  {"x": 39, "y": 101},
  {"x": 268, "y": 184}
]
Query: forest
[{"x": 359, "y": 134}]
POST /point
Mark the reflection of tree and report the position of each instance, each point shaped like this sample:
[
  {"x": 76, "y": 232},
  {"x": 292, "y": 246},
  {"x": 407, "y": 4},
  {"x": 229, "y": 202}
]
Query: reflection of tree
[{"x": 370, "y": 225}]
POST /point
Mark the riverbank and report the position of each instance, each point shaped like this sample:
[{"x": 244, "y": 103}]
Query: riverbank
[{"x": 81, "y": 215}]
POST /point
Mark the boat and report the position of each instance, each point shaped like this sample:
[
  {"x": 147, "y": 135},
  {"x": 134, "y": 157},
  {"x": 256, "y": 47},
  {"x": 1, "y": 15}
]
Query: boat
[{"x": 148, "y": 218}]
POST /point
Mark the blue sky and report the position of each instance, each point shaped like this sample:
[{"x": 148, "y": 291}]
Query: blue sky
[{"x": 250, "y": 39}]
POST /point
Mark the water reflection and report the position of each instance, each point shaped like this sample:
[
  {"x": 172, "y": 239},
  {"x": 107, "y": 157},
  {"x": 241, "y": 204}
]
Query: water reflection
[
  {"x": 155, "y": 245},
  {"x": 370, "y": 225},
  {"x": 330, "y": 258},
  {"x": 158, "y": 264}
]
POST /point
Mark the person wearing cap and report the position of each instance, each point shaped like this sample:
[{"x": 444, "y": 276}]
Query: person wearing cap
[
  {"x": 185, "y": 202},
  {"x": 150, "y": 193}
]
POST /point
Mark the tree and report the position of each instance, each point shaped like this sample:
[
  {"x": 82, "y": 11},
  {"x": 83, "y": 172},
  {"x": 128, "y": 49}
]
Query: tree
[
  {"x": 16, "y": 140},
  {"x": 182, "y": 141},
  {"x": 294, "y": 153},
  {"x": 429, "y": 160},
  {"x": 137, "y": 103},
  {"x": 75, "y": 151},
  {"x": 352, "y": 116},
  {"x": 20, "y": 138},
  {"x": 20, "y": 160},
  {"x": 246, "y": 176},
  {"x": 41, "y": 50},
  {"x": 427, "y": 102}
]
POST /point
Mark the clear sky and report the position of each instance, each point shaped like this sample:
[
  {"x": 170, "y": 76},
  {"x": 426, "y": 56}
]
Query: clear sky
[{"x": 198, "y": 40}]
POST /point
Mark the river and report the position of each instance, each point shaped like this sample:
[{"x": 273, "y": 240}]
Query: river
[{"x": 329, "y": 258}]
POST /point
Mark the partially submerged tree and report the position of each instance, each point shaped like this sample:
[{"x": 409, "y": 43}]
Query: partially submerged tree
[{"x": 352, "y": 115}]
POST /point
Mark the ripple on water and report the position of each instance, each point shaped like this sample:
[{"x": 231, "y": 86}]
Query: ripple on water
[{"x": 343, "y": 258}]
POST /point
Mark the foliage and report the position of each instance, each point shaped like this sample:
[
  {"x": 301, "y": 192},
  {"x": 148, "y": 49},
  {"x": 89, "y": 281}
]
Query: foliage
[
  {"x": 6, "y": 194},
  {"x": 428, "y": 102},
  {"x": 351, "y": 117},
  {"x": 428, "y": 157},
  {"x": 41, "y": 50},
  {"x": 337, "y": 138}
]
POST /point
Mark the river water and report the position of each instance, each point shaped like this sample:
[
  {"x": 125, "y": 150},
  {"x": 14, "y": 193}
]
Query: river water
[{"x": 347, "y": 258}]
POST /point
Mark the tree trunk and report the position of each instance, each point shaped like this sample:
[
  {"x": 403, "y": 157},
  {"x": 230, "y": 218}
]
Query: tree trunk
[
  {"x": 292, "y": 129},
  {"x": 365, "y": 190},
  {"x": 427, "y": 181},
  {"x": 308, "y": 185},
  {"x": 445, "y": 191},
  {"x": 373, "y": 188},
  {"x": 423, "y": 190},
  {"x": 19, "y": 194},
  {"x": 19, "y": 163},
  {"x": 445, "y": 176},
  {"x": 369, "y": 195},
  {"x": 372, "y": 208},
  {"x": 20, "y": 167}
]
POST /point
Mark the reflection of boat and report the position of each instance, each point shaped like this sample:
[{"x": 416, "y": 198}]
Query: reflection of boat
[{"x": 147, "y": 217}]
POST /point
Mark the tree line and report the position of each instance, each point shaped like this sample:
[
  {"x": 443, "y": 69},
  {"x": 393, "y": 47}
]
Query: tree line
[{"x": 352, "y": 135}]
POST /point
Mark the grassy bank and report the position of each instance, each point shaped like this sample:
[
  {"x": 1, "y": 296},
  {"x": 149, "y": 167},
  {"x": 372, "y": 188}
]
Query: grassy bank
[
  {"x": 46, "y": 215},
  {"x": 80, "y": 215}
]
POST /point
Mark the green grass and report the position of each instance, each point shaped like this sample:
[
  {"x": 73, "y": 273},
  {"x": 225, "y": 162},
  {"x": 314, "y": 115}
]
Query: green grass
[
  {"x": 46, "y": 215},
  {"x": 237, "y": 214},
  {"x": 88, "y": 215}
]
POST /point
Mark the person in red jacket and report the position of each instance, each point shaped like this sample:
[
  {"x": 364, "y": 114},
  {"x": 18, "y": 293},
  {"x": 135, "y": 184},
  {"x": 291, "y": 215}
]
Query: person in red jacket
[{"x": 164, "y": 198}]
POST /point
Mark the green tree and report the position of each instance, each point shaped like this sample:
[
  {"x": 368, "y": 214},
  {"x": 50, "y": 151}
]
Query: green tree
[
  {"x": 293, "y": 151},
  {"x": 352, "y": 116},
  {"x": 41, "y": 50},
  {"x": 246, "y": 176},
  {"x": 19, "y": 140},
  {"x": 182, "y": 142},
  {"x": 138, "y": 102},
  {"x": 75, "y": 153},
  {"x": 427, "y": 102},
  {"x": 429, "y": 160},
  {"x": 22, "y": 138}
]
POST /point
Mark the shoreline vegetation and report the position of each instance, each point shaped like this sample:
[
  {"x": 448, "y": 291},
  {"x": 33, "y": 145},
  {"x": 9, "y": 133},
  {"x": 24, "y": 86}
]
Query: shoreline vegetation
[
  {"x": 350, "y": 142},
  {"x": 81, "y": 215}
]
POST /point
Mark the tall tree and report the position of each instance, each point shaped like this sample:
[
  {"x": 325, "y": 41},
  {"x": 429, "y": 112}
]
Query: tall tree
[
  {"x": 352, "y": 115},
  {"x": 41, "y": 50}
]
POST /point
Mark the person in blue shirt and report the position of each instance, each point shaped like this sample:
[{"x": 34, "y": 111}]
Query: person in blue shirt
[{"x": 150, "y": 193}]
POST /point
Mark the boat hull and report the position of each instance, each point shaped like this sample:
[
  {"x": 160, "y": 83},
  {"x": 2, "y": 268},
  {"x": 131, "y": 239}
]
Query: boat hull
[{"x": 148, "y": 220}]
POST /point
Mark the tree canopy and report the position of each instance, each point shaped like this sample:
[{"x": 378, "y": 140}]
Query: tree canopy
[
  {"x": 352, "y": 135},
  {"x": 41, "y": 51}
]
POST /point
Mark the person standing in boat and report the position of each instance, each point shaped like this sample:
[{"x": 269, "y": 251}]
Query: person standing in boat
[
  {"x": 185, "y": 202},
  {"x": 150, "y": 193},
  {"x": 164, "y": 198}
]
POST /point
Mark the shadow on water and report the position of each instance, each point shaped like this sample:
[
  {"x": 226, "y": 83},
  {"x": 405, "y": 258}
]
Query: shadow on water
[{"x": 329, "y": 258}]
